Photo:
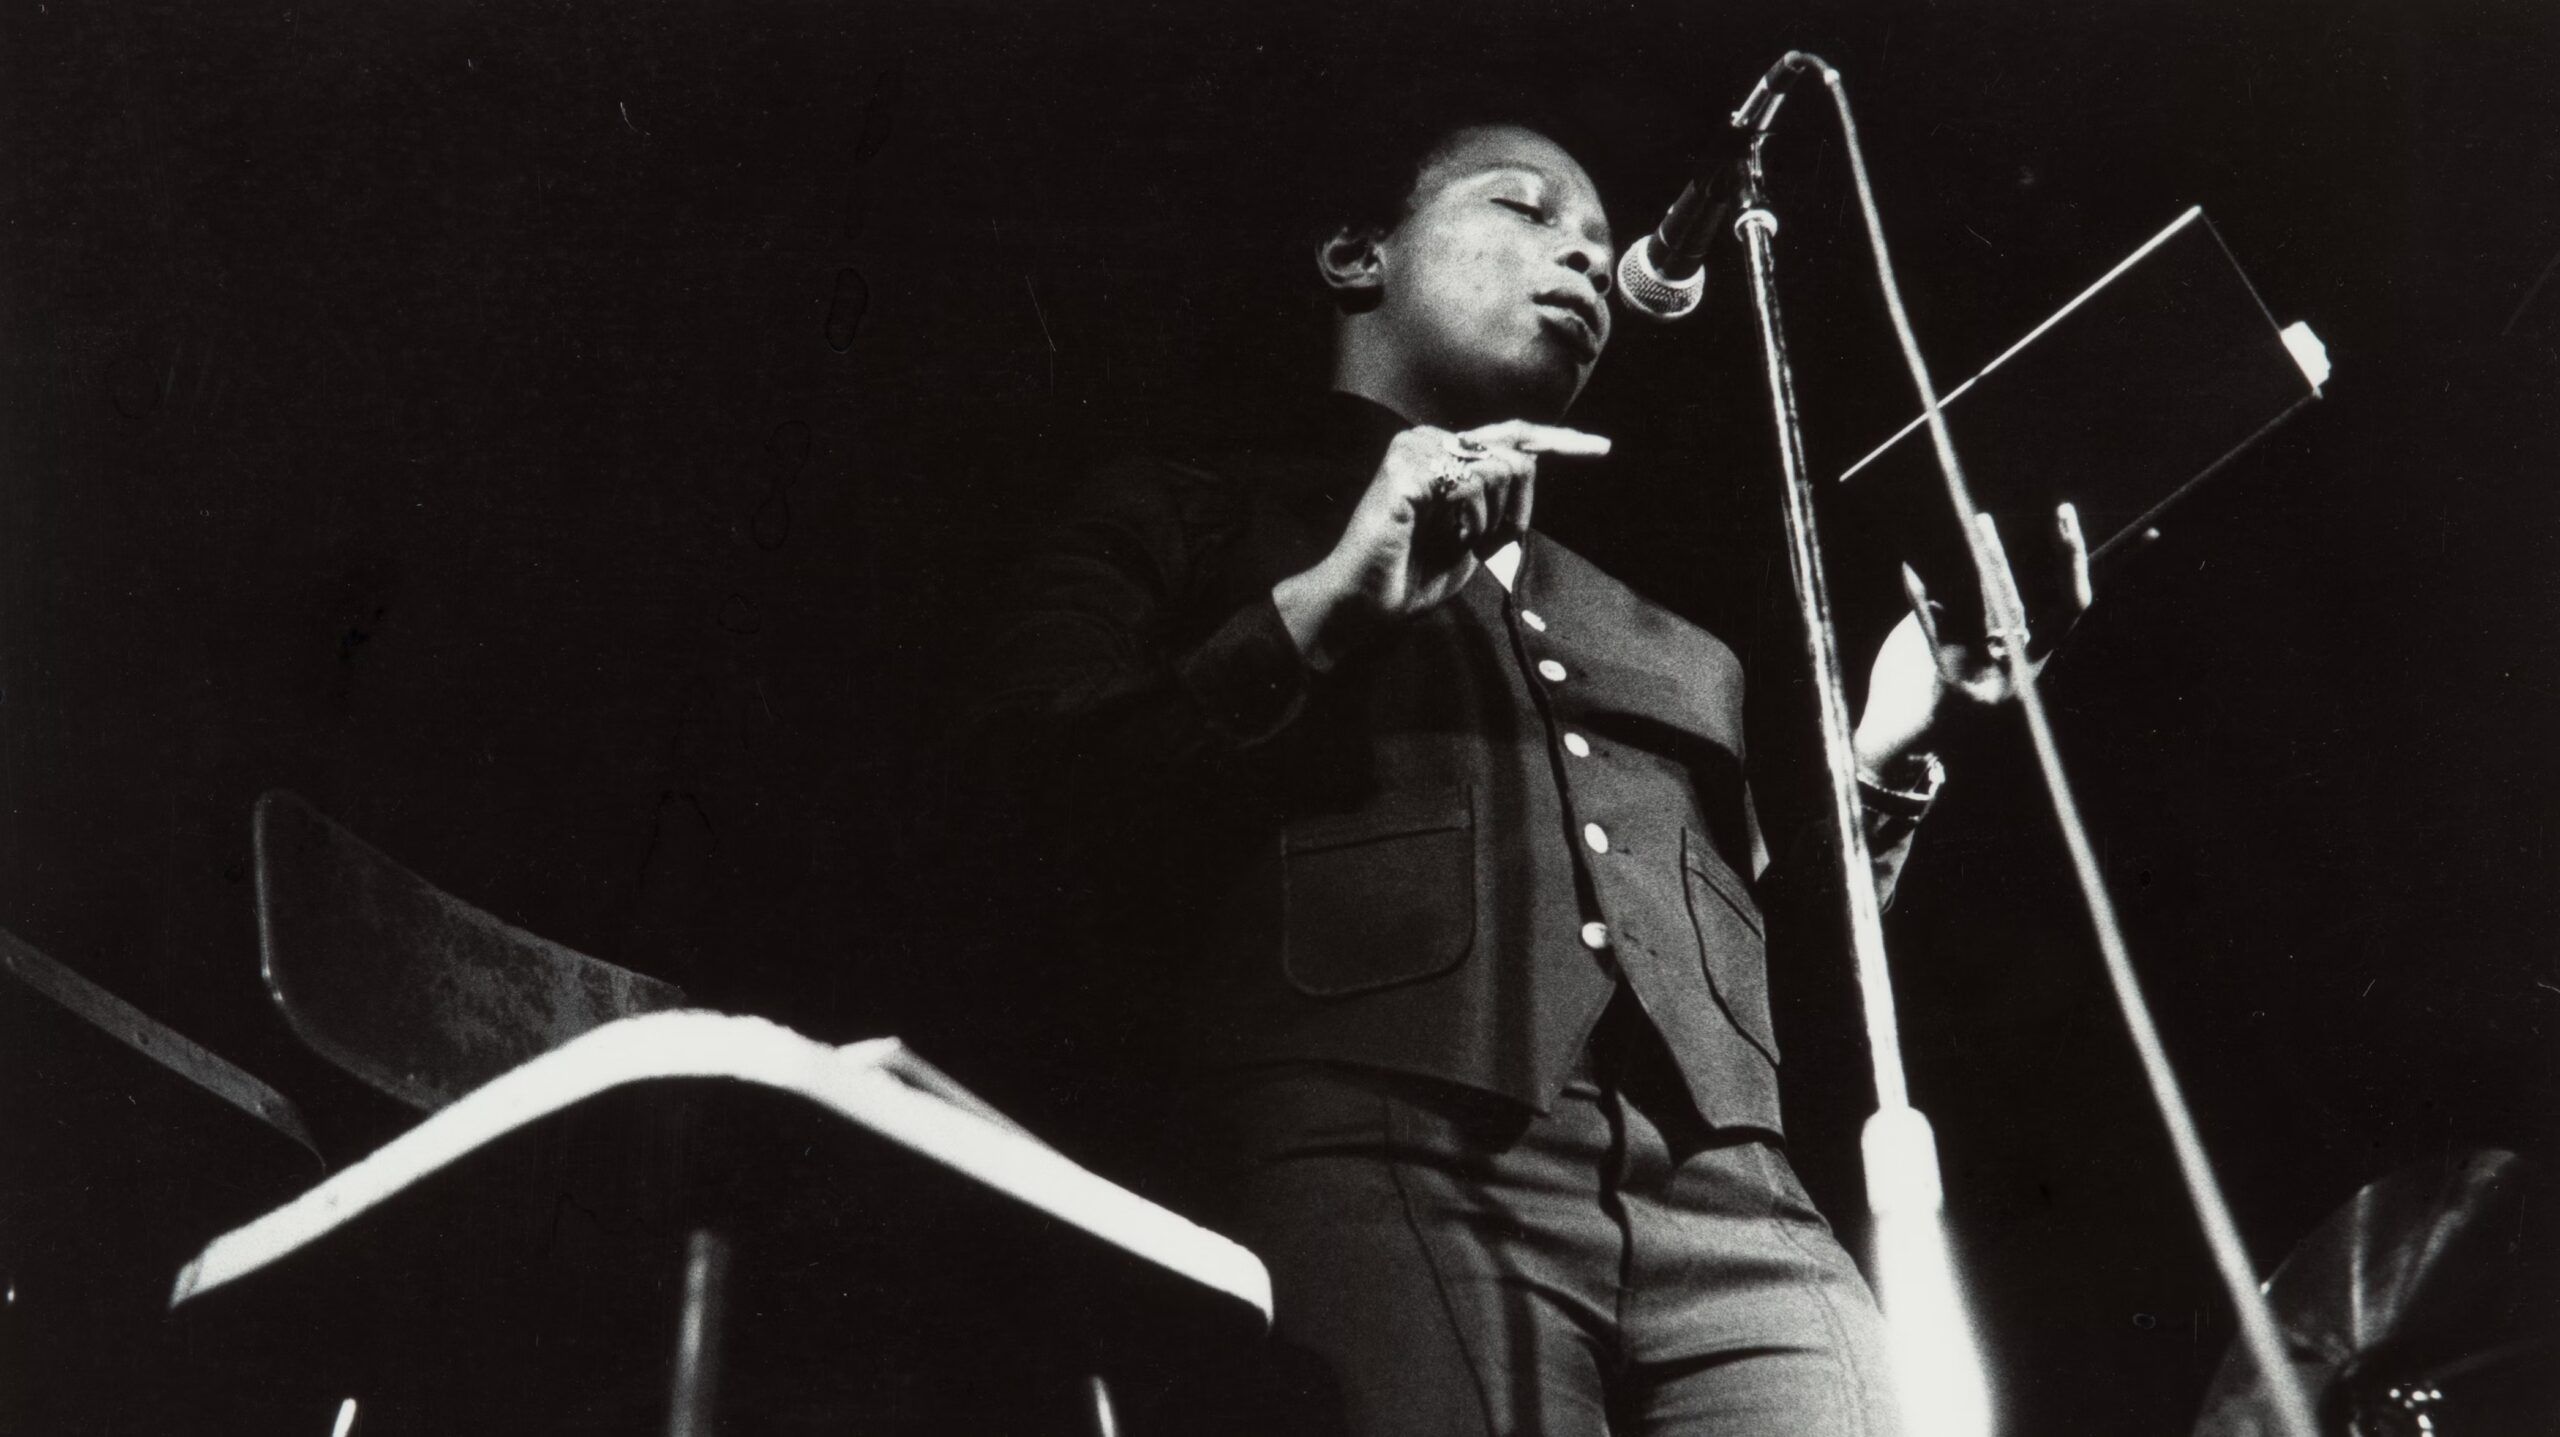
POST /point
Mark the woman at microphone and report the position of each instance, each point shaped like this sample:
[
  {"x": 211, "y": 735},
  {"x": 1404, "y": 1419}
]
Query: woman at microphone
[{"x": 1453, "y": 829}]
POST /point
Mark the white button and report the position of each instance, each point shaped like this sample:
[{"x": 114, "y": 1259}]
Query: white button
[
  {"x": 1530, "y": 617},
  {"x": 1551, "y": 671},
  {"x": 1596, "y": 836},
  {"x": 1577, "y": 745},
  {"x": 1595, "y": 935}
]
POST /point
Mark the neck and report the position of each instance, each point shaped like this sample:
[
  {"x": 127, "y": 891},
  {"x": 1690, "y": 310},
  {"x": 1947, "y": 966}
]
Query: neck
[
  {"x": 1357, "y": 371},
  {"x": 1384, "y": 378}
]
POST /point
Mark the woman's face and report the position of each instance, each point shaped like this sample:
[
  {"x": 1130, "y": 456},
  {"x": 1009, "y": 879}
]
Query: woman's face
[{"x": 1494, "y": 287}]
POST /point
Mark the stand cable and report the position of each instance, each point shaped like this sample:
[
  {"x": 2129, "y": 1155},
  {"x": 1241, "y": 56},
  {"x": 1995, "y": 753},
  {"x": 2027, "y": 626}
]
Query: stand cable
[{"x": 2008, "y": 628}]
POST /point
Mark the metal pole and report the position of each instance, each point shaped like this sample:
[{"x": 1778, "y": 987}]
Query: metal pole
[
  {"x": 693, "y": 1401},
  {"x": 2008, "y": 625},
  {"x": 1938, "y": 1372},
  {"x": 1757, "y": 225}
]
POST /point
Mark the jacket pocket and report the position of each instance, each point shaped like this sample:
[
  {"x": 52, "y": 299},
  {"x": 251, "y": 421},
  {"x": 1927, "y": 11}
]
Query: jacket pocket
[
  {"x": 1379, "y": 897},
  {"x": 1731, "y": 945}
]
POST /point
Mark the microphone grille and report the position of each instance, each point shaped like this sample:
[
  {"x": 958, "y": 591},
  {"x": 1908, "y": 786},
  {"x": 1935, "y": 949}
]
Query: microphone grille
[{"x": 1645, "y": 289}]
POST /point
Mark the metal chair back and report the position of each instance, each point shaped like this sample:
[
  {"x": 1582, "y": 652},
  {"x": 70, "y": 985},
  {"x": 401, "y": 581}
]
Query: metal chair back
[{"x": 410, "y": 989}]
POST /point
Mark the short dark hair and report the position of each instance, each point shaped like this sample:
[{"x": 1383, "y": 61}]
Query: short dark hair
[{"x": 1384, "y": 146}]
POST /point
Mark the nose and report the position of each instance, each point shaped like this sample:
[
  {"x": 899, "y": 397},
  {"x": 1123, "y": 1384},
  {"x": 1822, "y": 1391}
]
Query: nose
[{"x": 1592, "y": 263}]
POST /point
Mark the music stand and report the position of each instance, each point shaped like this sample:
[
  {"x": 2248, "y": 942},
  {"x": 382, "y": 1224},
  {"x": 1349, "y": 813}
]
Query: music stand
[
  {"x": 905, "y": 1259},
  {"x": 419, "y": 994}
]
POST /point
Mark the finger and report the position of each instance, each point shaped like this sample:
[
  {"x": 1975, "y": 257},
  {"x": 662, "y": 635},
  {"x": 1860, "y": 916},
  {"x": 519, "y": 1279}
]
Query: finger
[
  {"x": 1511, "y": 480},
  {"x": 1466, "y": 504},
  {"x": 1922, "y": 607},
  {"x": 1524, "y": 499},
  {"x": 1415, "y": 464},
  {"x": 2074, "y": 549},
  {"x": 2005, "y": 605},
  {"x": 1475, "y": 512},
  {"x": 1531, "y": 438},
  {"x": 1500, "y": 473},
  {"x": 1417, "y": 451}
]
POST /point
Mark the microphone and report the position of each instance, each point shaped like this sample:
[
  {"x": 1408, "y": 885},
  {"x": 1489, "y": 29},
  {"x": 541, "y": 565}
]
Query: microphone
[{"x": 1664, "y": 275}]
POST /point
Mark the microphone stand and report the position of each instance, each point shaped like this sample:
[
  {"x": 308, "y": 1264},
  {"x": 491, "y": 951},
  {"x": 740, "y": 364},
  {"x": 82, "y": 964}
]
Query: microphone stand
[
  {"x": 1938, "y": 1373},
  {"x": 1937, "y": 1367}
]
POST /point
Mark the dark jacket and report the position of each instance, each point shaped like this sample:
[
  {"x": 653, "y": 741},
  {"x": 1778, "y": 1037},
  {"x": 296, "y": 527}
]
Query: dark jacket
[{"x": 1441, "y": 858}]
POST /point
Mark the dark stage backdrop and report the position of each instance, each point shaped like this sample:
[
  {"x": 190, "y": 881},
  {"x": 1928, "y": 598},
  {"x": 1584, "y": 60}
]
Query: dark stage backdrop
[{"x": 573, "y": 443}]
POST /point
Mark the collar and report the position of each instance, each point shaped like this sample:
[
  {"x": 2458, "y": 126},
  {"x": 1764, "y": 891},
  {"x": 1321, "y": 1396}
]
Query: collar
[
  {"x": 1359, "y": 421},
  {"x": 1328, "y": 448}
]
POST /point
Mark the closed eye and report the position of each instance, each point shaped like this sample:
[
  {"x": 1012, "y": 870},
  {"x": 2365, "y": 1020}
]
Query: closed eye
[{"x": 1533, "y": 211}]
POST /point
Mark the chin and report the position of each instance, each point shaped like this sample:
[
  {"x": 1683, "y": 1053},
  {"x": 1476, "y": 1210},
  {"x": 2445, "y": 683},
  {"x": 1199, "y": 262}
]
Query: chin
[
  {"x": 1532, "y": 382},
  {"x": 1542, "y": 382},
  {"x": 1553, "y": 389}
]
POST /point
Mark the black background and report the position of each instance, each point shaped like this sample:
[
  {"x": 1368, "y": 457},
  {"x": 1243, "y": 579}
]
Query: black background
[{"x": 572, "y": 443}]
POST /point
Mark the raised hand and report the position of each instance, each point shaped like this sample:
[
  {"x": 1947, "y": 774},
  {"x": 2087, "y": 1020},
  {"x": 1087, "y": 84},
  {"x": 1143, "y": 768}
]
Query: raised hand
[
  {"x": 1439, "y": 503},
  {"x": 1921, "y": 678}
]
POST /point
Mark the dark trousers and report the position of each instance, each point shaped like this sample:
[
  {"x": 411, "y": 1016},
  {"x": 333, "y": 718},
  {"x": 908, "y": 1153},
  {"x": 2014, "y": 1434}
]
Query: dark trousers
[{"x": 1442, "y": 1264}]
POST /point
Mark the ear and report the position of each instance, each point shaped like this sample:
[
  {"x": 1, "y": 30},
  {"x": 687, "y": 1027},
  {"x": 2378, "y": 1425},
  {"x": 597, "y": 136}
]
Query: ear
[{"x": 1352, "y": 266}]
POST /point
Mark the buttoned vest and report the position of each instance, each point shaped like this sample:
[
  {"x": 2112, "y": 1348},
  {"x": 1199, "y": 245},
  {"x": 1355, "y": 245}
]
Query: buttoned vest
[{"x": 1482, "y": 825}]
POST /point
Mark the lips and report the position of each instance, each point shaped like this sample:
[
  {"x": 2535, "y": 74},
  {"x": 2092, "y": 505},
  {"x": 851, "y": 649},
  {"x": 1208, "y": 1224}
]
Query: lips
[{"x": 1575, "y": 318}]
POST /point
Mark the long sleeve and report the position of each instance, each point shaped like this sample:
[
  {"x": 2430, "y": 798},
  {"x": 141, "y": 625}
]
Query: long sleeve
[
  {"x": 1891, "y": 819},
  {"x": 1121, "y": 668}
]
